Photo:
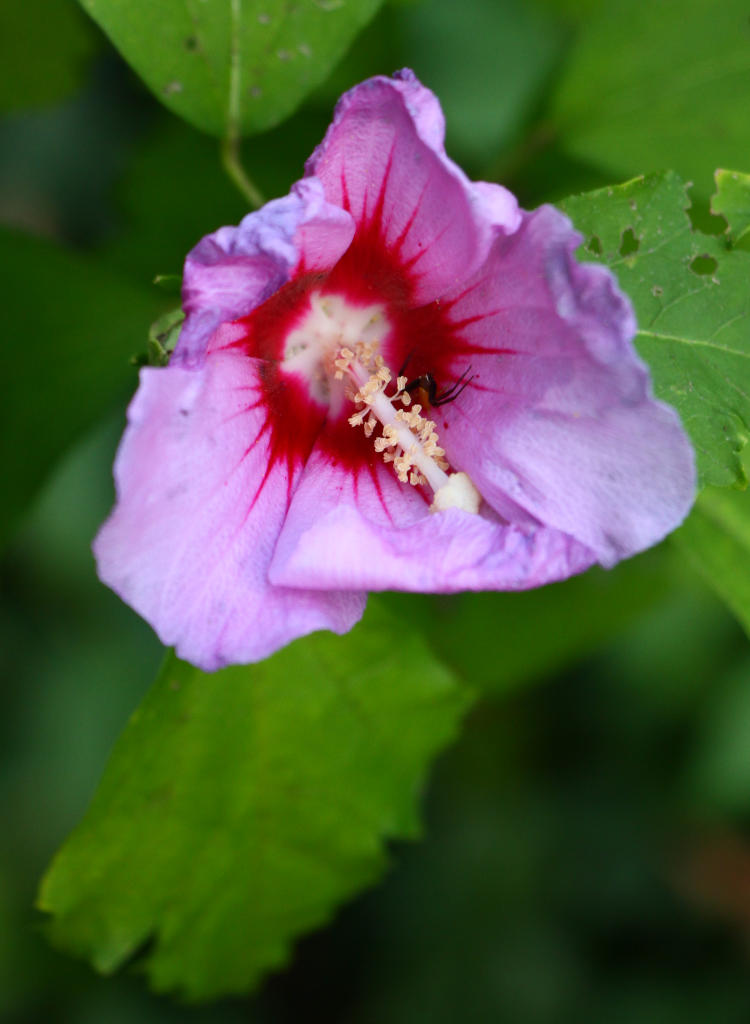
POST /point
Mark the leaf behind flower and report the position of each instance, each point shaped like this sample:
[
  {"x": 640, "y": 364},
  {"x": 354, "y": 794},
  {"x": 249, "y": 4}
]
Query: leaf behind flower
[
  {"x": 239, "y": 809},
  {"x": 648, "y": 86},
  {"x": 691, "y": 297},
  {"x": 231, "y": 66},
  {"x": 732, "y": 200},
  {"x": 716, "y": 539}
]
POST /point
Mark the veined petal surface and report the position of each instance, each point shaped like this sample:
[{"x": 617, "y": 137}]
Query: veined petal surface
[
  {"x": 560, "y": 416},
  {"x": 232, "y": 271},
  {"x": 200, "y": 502},
  {"x": 366, "y": 531},
  {"x": 253, "y": 501}
]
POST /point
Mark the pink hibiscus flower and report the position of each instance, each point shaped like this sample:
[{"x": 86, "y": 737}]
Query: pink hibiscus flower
[{"x": 392, "y": 378}]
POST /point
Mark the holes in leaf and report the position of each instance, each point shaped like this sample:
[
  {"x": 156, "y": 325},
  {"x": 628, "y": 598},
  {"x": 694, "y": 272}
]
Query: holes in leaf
[
  {"x": 594, "y": 245},
  {"x": 703, "y": 218},
  {"x": 629, "y": 243},
  {"x": 657, "y": 291},
  {"x": 703, "y": 265}
]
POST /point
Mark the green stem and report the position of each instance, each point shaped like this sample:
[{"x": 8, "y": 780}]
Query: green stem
[
  {"x": 230, "y": 157},
  {"x": 230, "y": 144}
]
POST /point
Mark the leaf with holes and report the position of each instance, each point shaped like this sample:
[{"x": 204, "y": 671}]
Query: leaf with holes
[
  {"x": 240, "y": 809},
  {"x": 692, "y": 301},
  {"x": 732, "y": 201},
  {"x": 232, "y": 66}
]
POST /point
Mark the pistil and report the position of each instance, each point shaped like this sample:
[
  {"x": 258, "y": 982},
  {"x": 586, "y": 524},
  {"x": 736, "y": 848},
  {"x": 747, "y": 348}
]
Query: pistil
[
  {"x": 408, "y": 439},
  {"x": 339, "y": 341}
]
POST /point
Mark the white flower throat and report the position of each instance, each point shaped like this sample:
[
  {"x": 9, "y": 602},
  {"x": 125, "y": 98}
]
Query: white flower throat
[{"x": 339, "y": 342}]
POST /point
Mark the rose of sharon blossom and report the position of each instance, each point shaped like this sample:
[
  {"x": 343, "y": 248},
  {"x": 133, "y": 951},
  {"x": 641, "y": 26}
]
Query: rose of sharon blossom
[{"x": 289, "y": 459}]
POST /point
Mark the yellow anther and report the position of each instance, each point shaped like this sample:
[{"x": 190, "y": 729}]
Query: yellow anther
[
  {"x": 357, "y": 419},
  {"x": 408, "y": 441},
  {"x": 388, "y": 439},
  {"x": 338, "y": 341}
]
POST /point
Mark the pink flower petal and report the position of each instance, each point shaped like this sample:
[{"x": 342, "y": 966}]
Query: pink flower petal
[
  {"x": 201, "y": 501},
  {"x": 383, "y": 160},
  {"x": 369, "y": 531},
  {"x": 560, "y": 416},
  {"x": 250, "y": 511},
  {"x": 235, "y": 269}
]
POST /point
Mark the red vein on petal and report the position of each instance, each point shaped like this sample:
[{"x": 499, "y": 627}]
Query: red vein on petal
[
  {"x": 375, "y": 220},
  {"x": 242, "y": 412},
  {"x": 475, "y": 318},
  {"x": 373, "y": 468},
  {"x": 449, "y": 303},
  {"x": 397, "y": 245},
  {"x": 345, "y": 201},
  {"x": 413, "y": 260}
]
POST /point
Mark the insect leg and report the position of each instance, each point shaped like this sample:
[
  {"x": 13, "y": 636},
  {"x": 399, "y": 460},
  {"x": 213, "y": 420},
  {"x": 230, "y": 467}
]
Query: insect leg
[{"x": 452, "y": 393}]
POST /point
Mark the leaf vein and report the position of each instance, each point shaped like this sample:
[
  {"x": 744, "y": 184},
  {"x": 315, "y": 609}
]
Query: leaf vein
[{"x": 700, "y": 342}]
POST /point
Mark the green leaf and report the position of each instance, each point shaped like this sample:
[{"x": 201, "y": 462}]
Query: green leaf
[
  {"x": 169, "y": 282},
  {"x": 240, "y": 809},
  {"x": 716, "y": 538},
  {"x": 163, "y": 335},
  {"x": 70, "y": 328},
  {"x": 692, "y": 301},
  {"x": 732, "y": 200},
  {"x": 45, "y": 46},
  {"x": 651, "y": 86},
  {"x": 231, "y": 66}
]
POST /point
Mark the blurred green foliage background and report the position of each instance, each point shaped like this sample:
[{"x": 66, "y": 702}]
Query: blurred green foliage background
[{"x": 587, "y": 855}]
